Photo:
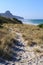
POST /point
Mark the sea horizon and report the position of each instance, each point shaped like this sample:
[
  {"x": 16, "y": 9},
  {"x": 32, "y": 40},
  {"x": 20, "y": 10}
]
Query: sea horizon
[{"x": 33, "y": 21}]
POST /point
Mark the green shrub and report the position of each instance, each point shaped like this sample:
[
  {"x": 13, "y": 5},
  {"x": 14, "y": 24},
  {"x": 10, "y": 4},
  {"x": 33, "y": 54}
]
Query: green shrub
[{"x": 40, "y": 25}]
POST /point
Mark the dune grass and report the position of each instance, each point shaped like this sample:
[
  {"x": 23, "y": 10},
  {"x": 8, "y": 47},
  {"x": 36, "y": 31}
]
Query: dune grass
[{"x": 30, "y": 33}]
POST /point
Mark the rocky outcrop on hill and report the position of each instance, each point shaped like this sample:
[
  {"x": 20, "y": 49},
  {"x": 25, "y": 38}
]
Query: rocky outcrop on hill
[{"x": 8, "y": 14}]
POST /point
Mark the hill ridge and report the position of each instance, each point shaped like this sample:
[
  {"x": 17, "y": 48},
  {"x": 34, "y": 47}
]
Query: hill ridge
[{"x": 8, "y": 14}]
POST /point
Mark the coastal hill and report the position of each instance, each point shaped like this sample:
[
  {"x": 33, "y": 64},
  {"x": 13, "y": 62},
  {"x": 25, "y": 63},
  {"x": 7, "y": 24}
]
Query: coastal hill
[{"x": 8, "y": 14}]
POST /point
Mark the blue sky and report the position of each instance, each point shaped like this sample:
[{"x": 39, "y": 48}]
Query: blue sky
[{"x": 31, "y": 9}]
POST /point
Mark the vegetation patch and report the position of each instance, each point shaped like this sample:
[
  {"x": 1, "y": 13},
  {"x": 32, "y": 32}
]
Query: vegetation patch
[
  {"x": 31, "y": 33},
  {"x": 40, "y": 25},
  {"x": 9, "y": 20}
]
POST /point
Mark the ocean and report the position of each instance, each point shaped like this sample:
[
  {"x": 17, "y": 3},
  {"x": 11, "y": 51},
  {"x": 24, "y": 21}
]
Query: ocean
[{"x": 33, "y": 21}]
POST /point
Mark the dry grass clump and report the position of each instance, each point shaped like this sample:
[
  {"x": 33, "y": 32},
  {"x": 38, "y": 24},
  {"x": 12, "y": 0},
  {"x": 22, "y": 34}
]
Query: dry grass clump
[
  {"x": 6, "y": 44},
  {"x": 37, "y": 50},
  {"x": 5, "y": 48}
]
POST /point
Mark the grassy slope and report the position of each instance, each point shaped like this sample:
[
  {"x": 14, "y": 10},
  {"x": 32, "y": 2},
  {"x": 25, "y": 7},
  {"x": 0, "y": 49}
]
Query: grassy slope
[
  {"x": 8, "y": 20},
  {"x": 30, "y": 33}
]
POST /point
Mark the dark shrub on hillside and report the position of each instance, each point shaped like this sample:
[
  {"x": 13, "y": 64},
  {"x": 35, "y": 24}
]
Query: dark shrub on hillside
[
  {"x": 40, "y": 25},
  {"x": 17, "y": 20},
  {"x": 8, "y": 20}
]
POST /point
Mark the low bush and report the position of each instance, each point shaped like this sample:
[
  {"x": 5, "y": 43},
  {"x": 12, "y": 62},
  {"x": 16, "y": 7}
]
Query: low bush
[{"x": 40, "y": 25}]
